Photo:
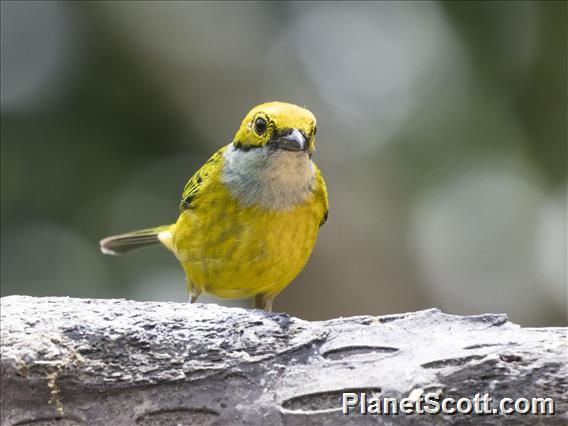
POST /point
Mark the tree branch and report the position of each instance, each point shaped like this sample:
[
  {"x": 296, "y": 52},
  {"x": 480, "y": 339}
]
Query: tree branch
[{"x": 117, "y": 362}]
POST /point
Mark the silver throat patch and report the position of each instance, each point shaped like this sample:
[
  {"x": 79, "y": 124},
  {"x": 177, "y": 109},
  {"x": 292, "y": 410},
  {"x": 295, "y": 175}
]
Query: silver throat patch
[{"x": 272, "y": 179}]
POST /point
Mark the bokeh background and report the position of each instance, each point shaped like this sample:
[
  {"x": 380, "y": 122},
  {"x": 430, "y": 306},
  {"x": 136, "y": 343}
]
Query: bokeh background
[{"x": 442, "y": 134}]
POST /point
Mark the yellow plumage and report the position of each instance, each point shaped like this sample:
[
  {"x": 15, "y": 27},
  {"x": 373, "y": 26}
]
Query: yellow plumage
[{"x": 250, "y": 216}]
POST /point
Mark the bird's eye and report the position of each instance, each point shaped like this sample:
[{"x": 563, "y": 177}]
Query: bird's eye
[
  {"x": 315, "y": 131},
  {"x": 260, "y": 125}
]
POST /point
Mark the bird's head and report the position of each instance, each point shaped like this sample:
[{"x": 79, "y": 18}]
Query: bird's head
[
  {"x": 278, "y": 126},
  {"x": 269, "y": 162}
]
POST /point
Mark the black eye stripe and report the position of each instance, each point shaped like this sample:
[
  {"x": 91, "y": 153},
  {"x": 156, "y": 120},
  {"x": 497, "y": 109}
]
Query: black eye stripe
[{"x": 239, "y": 145}]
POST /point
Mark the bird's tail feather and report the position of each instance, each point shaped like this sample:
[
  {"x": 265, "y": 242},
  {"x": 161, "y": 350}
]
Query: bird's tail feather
[{"x": 123, "y": 243}]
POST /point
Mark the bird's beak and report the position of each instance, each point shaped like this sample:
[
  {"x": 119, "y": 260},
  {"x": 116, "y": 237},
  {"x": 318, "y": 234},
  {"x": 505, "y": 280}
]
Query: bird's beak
[{"x": 292, "y": 140}]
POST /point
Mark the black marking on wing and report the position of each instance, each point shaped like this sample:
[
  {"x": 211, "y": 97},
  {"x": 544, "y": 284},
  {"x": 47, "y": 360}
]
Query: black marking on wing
[
  {"x": 324, "y": 218},
  {"x": 194, "y": 186}
]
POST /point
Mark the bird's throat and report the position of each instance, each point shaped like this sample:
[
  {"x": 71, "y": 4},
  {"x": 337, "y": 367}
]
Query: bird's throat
[{"x": 275, "y": 180}]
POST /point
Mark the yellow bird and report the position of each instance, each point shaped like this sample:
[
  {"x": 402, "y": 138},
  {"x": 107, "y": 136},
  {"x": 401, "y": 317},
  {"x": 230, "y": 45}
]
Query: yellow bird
[{"x": 249, "y": 218}]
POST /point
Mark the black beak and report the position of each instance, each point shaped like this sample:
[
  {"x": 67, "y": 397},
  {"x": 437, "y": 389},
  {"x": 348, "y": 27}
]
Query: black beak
[{"x": 291, "y": 140}]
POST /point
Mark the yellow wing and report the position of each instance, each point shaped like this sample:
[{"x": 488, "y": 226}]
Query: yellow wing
[{"x": 200, "y": 180}]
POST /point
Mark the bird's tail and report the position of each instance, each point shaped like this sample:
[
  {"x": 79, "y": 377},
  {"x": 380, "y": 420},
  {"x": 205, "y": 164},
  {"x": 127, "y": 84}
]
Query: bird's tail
[{"x": 120, "y": 244}]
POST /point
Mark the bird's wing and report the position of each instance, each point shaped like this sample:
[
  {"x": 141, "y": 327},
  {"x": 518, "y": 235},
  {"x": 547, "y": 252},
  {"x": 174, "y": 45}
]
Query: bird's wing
[
  {"x": 199, "y": 180},
  {"x": 321, "y": 192}
]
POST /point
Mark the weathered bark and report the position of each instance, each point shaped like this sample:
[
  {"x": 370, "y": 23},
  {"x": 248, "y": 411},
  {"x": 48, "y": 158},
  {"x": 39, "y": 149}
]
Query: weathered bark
[{"x": 117, "y": 362}]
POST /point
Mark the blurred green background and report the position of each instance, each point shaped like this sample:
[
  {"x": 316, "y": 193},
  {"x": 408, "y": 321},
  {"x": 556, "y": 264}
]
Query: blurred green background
[{"x": 441, "y": 134}]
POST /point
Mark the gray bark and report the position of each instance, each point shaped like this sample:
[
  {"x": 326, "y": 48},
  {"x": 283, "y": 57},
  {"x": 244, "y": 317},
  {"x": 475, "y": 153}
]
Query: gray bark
[{"x": 116, "y": 362}]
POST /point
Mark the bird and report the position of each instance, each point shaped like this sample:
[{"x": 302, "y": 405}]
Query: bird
[{"x": 250, "y": 216}]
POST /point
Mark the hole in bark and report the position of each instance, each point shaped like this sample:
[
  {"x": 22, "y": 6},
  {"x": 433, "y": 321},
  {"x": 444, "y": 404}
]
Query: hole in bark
[
  {"x": 180, "y": 416},
  {"x": 483, "y": 345},
  {"x": 348, "y": 351},
  {"x": 452, "y": 362},
  {"x": 319, "y": 401},
  {"x": 236, "y": 375}
]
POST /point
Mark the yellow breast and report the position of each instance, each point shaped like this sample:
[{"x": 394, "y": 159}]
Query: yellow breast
[{"x": 236, "y": 251}]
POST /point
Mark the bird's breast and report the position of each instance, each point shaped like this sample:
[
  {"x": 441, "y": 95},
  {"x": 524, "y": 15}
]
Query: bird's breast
[{"x": 233, "y": 251}]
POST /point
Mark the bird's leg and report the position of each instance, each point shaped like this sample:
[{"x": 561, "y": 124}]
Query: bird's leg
[
  {"x": 263, "y": 301},
  {"x": 194, "y": 291}
]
